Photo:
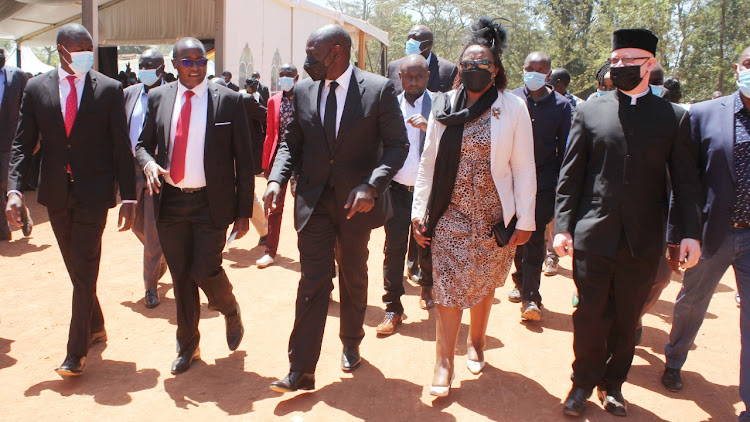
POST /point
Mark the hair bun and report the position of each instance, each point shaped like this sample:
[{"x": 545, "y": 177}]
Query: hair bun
[{"x": 489, "y": 30}]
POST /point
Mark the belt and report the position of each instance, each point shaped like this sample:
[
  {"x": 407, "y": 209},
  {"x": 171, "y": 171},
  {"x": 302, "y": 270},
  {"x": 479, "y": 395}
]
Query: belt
[
  {"x": 741, "y": 225},
  {"x": 187, "y": 190},
  {"x": 402, "y": 187}
]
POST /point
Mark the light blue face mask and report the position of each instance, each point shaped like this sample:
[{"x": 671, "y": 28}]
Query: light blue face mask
[
  {"x": 743, "y": 82},
  {"x": 148, "y": 76},
  {"x": 534, "y": 80},
  {"x": 81, "y": 62},
  {"x": 413, "y": 47},
  {"x": 657, "y": 89},
  {"x": 600, "y": 93},
  {"x": 286, "y": 83}
]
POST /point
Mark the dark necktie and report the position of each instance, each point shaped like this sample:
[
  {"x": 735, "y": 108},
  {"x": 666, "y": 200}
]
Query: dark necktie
[{"x": 329, "y": 123}]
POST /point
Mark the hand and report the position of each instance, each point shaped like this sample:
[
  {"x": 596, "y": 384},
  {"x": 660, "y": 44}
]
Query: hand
[
  {"x": 14, "y": 209},
  {"x": 152, "y": 173},
  {"x": 418, "y": 121},
  {"x": 563, "y": 244},
  {"x": 673, "y": 258},
  {"x": 419, "y": 230},
  {"x": 519, "y": 237},
  {"x": 690, "y": 253},
  {"x": 361, "y": 199},
  {"x": 273, "y": 190},
  {"x": 127, "y": 217},
  {"x": 241, "y": 226}
]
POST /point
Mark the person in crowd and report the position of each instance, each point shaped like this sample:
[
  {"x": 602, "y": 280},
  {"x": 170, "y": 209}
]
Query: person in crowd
[
  {"x": 416, "y": 104},
  {"x": 610, "y": 206},
  {"x": 198, "y": 190},
  {"x": 559, "y": 78},
  {"x": 346, "y": 140},
  {"x": 477, "y": 170},
  {"x": 550, "y": 119},
  {"x": 227, "y": 76},
  {"x": 252, "y": 87},
  {"x": 672, "y": 91},
  {"x": 716, "y": 94},
  {"x": 151, "y": 75},
  {"x": 78, "y": 114},
  {"x": 281, "y": 110},
  {"x": 656, "y": 81},
  {"x": 721, "y": 130},
  {"x": 262, "y": 89},
  {"x": 604, "y": 82},
  {"x": 12, "y": 83},
  {"x": 420, "y": 40}
]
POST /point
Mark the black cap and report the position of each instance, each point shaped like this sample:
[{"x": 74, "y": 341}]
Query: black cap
[{"x": 635, "y": 38}]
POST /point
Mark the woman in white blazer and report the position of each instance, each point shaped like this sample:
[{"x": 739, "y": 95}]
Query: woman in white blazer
[{"x": 477, "y": 169}]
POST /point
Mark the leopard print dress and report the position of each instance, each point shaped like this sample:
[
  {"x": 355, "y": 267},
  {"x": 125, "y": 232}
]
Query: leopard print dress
[{"x": 467, "y": 263}]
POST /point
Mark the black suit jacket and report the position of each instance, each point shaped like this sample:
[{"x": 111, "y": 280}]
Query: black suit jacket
[
  {"x": 227, "y": 152},
  {"x": 614, "y": 175},
  {"x": 264, "y": 94},
  {"x": 442, "y": 74},
  {"x": 98, "y": 148},
  {"x": 233, "y": 86},
  {"x": 370, "y": 147},
  {"x": 256, "y": 119},
  {"x": 15, "y": 82}
]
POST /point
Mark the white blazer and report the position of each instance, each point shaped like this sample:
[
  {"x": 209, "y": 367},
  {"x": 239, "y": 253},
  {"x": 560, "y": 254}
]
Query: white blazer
[{"x": 512, "y": 160}]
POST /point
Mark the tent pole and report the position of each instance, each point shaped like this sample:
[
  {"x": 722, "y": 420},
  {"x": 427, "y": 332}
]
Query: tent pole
[
  {"x": 90, "y": 20},
  {"x": 362, "y": 50}
]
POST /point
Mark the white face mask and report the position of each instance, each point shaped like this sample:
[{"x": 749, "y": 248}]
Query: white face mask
[
  {"x": 534, "y": 80},
  {"x": 148, "y": 76},
  {"x": 286, "y": 83},
  {"x": 81, "y": 62},
  {"x": 657, "y": 89},
  {"x": 743, "y": 82}
]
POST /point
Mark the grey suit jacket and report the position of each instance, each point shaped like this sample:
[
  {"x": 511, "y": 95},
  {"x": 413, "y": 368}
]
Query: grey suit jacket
[
  {"x": 426, "y": 110},
  {"x": 15, "y": 82}
]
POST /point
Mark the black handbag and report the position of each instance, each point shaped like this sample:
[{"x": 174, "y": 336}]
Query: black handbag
[{"x": 503, "y": 234}]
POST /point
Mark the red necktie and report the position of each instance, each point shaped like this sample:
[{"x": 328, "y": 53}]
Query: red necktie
[
  {"x": 177, "y": 168},
  {"x": 71, "y": 108}
]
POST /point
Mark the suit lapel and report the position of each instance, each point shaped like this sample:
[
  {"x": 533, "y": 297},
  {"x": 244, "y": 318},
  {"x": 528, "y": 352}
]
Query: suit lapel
[
  {"x": 316, "y": 92},
  {"x": 726, "y": 126},
  {"x": 426, "y": 110},
  {"x": 434, "y": 72},
  {"x": 53, "y": 89},
  {"x": 165, "y": 114},
  {"x": 213, "y": 107},
  {"x": 353, "y": 109},
  {"x": 87, "y": 100}
]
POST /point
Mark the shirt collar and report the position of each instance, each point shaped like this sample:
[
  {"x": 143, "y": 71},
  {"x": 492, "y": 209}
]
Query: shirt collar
[
  {"x": 634, "y": 98},
  {"x": 429, "y": 57},
  {"x": 344, "y": 79},
  {"x": 417, "y": 102},
  {"x": 550, "y": 94},
  {"x": 738, "y": 104},
  {"x": 198, "y": 90},
  {"x": 62, "y": 74}
]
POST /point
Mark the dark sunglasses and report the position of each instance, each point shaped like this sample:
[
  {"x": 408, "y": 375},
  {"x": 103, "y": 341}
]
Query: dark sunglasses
[
  {"x": 190, "y": 62},
  {"x": 481, "y": 64}
]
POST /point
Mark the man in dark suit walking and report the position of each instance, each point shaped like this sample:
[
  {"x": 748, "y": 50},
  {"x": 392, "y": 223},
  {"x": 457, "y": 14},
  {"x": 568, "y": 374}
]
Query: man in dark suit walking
[
  {"x": 196, "y": 154},
  {"x": 151, "y": 74},
  {"x": 611, "y": 202},
  {"x": 262, "y": 89},
  {"x": 12, "y": 83},
  {"x": 721, "y": 135},
  {"x": 227, "y": 76},
  {"x": 420, "y": 40},
  {"x": 86, "y": 156},
  {"x": 346, "y": 140}
]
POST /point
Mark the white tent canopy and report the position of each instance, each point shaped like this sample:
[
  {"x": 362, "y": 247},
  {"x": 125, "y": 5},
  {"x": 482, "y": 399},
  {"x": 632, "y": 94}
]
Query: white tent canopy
[{"x": 29, "y": 61}]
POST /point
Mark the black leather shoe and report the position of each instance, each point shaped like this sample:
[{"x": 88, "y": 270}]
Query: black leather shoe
[
  {"x": 575, "y": 403},
  {"x": 613, "y": 401},
  {"x": 262, "y": 240},
  {"x": 350, "y": 358},
  {"x": 295, "y": 380},
  {"x": 26, "y": 223},
  {"x": 183, "y": 361},
  {"x": 672, "y": 379},
  {"x": 152, "y": 298},
  {"x": 235, "y": 330},
  {"x": 99, "y": 337},
  {"x": 72, "y": 366}
]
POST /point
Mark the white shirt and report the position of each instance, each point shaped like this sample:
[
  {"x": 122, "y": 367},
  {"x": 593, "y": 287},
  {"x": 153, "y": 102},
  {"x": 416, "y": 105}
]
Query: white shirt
[
  {"x": 634, "y": 98},
  {"x": 138, "y": 117},
  {"x": 341, "y": 91},
  {"x": 256, "y": 95},
  {"x": 195, "y": 174},
  {"x": 65, "y": 89},
  {"x": 408, "y": 173}
]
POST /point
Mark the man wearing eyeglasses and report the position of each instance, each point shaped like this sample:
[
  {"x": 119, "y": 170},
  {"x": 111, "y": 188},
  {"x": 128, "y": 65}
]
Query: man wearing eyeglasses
[
  {"x": 611, "y": 213},
  {"x": 195, "y": 152}
]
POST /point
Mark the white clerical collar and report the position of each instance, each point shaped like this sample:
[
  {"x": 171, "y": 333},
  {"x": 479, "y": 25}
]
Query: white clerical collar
[{"x": 634, "y": 98}]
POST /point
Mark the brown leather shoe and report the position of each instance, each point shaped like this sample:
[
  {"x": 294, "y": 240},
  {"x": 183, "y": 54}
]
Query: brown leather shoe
[
  {"x": 389, "y": 324},
  {"x": 425, "y": 298}
]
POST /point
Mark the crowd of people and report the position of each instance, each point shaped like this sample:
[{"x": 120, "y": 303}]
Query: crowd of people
[{"x": 468, "y": 177}]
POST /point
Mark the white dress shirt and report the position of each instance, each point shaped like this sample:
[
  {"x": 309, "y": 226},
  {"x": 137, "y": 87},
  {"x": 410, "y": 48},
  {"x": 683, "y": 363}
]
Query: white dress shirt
[
  {"x": 65, "y": 88},
  {"x": 195, "y": 174},
  {"x": 341, "y": 91},
  {"x": 408, "y": 173},
  {"x": 138, "y": 117}
]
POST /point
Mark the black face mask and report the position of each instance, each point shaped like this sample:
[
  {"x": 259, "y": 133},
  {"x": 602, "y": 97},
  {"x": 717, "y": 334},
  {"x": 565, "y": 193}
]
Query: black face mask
[
  {"x": 626, "y": 78},
  {"x": 475, "y": 79},
  {"x": 316, "y": 68}
]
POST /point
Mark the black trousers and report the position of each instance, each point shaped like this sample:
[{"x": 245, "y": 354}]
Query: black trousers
[
  {"x": 611, "y": 292},
  {"x": 78, "y": 231},
  {"x": 192, "y": 246},
  {"x": 399, "y": 237},
  {"x": 530, "y": 256},
  {"x": 4, "y": 169},
  {"x": 317, "y": 242}
]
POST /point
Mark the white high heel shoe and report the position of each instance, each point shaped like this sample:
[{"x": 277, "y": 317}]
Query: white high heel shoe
[
  {"x": 440, "y": 390},
  {"x": 475, "y": 366}
]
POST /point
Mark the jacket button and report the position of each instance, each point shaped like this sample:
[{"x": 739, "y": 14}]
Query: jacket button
[
  {"x": 331, "y": 162},
  {"x": 67, "y": 146}
]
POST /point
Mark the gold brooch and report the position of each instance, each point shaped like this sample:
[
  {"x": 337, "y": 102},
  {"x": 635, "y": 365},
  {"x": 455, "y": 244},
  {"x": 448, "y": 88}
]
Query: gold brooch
[{"x": 496, "y": 112}]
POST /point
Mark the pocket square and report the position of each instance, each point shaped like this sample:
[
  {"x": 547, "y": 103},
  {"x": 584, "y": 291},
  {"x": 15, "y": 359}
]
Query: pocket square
[{"x": 224, "y": 124}]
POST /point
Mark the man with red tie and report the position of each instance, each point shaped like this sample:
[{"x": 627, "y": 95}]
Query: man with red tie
[
  {"x": 78, "y": 114},
  {"x": 196, "y": 154}
]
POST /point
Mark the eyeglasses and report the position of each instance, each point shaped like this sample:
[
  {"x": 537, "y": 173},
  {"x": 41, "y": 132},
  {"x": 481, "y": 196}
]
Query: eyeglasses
[
  {"x": 190, "y": 62},
  {"x": 481, "y": 64},
  {"x": 627, "y": 61}
]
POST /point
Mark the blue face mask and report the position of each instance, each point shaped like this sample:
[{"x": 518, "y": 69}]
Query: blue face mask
[
  {"x": 286, "y": 83},
  {"x": 600, "y": 93},
  {"x": 743, "y": 82},
  {"x": 534, "y": 80},
  {"x": 81, "y": 62},
  {"x": 657, "y": 89},
  {"x": 413, "y": 47},
  {"x": 148, "y": 76}
]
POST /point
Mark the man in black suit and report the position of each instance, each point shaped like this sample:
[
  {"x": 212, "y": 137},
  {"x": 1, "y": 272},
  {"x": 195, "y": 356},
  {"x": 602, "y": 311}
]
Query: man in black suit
[
  {"x": 195, "y": 152},
  {"x": 12, "y": 83},
  {"x": 419, "y": 40},
  {"x": 346, "y": 141},
  {"x": 78, "y": 114},
  {"x": 611, "y": 206},
  {"x": 262, "y": 89},
  {"x": 151, "y": 74},
  {"x": 227, "y": 76}
]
